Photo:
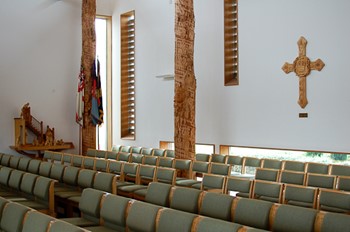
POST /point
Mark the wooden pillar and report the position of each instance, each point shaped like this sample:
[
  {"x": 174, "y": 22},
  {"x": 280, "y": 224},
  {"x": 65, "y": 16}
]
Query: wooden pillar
[
  {"x": 87, "y": 58},
  {"x": 185, "y": 81}
]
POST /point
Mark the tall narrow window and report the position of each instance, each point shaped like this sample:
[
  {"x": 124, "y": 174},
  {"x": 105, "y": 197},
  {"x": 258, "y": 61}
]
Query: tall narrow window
[
  {"x": 127, "y": 85},
  {"x": 231, "y": 42}
]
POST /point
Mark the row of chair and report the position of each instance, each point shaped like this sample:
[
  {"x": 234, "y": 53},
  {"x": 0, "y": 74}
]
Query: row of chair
[
  {"x": 217, "y": 212},
  {"x": 15, "y": 217}
]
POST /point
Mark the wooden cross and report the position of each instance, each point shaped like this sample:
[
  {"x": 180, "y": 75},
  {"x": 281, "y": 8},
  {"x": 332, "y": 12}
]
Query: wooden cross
[{"x": 302, "y": 67}]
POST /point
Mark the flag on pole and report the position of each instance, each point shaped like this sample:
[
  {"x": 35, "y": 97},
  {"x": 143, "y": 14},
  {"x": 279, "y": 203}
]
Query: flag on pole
[
  {"x": 96, "y": 93},
  {"x": 80, "y": 97}
]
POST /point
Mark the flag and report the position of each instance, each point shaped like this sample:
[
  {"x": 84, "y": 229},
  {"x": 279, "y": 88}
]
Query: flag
[
  {"x": 80, "y": 97},
  {"x": 96, "y": 95}
]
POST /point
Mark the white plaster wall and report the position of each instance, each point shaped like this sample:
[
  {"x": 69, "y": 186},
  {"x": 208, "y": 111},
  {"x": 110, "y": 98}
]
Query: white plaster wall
[
  {"x": 40, "y": 49},
  {"x": 262, "y": 111}
]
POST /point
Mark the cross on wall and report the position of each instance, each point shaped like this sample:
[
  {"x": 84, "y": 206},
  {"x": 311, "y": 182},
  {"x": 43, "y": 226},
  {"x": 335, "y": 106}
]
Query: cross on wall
[{"x": 302, "y": 67}]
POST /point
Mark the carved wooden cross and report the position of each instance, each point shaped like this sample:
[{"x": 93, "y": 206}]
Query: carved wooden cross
[{"x": 302, "y": 67}]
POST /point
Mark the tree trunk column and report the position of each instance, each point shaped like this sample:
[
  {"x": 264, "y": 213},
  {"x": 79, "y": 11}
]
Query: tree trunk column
[
  {"x": 185, "y": 81},
  {"x": 87, "y": 59}
]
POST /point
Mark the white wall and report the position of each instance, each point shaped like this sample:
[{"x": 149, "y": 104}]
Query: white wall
[
  {"x": 262, "y": 111},
  {"x": 40, "y": 49}
]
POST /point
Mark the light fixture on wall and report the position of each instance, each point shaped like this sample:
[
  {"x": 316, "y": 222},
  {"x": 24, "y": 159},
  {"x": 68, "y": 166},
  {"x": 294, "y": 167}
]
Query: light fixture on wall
[{"x": 166, "y": 77}]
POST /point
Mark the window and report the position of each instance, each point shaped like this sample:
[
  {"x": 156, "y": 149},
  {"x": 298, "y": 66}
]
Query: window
[
  {"x": 231, "y": 42},
  {"x": 103, "y": 27},
  {"x": 127, "y": 85}
]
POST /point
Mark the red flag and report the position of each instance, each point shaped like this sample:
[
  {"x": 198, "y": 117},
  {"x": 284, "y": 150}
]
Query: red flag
[{"x": 80, "y": 97}]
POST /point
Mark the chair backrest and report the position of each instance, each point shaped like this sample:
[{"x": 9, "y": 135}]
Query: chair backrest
[
  {"x": 267, "y": 191},
  {"x": 15, "y": 179},
  {"x": 200, "y": 167},
  {"x": 14, "y": 162},
  {"x": 56, "y": 157},
  {"x": 171, "y": 220},
  {"x": 300, "y": 195},
  {"x": 44, "y": 192},
  {"x": 334, "y": 201},
  {"x": 91, "y": 152},
  {"x": 67, "y": 159},
  {"x": 183, "y": 165},
  {"x": 272, "y": 164},
  {"x": 136, "y": 150},
  {"x": 146, "y": 174},
  {"x": 343, "y": 183},
  {"x": 77, "y": 161},
  {"x": 130, "y": 172},
  {"x": 158, "y": 193},
  {"x": 216, "y": 205},
  {"x": 166, "y": 175},
  {"x": 5, "y": 160},
  {"x": 340, "y": 170},
  {"x": 332, "y": 222},
  {"x": 250, "y": 165},
  {"x": 126, "y": 149},
  {"x": 292, "y": 165},
  {"x": 213, "y": 182},
  {"x": 170, "y": 153},
  {"x": 124, "y": 156},
  {"x": 33, "y": 166},
  {"x": 251, "y": 212},
  {"x": 116, "y": 148},
  {"x": 86, "y": 178},
  {"x": 88, "y": 162},
  {"x": 142, "y": 217},
  {"x": 105, "y": 182},
  {"x": 70, "y": 175},
  {"x": 112, "y": 155},
  {"x": 295, "y": 217},
  {"x": 23, "y": 164},
  {"x": 136, "y": 158},
  {"x": 203, "y": 157},
  {"x": 36, "y": 221},
  {"x": 292, "y": 177},
  {"x": 101, "y": 154},
  {"x": 12, "y": 217},
  {"x": 158, "y": 152},
  {"x": 267, "y": 174},
  {"x": 218, "y": 158},
  {"x": 207, "y": 224},
  {"x": 318, "y": 168},
  {"x": 115, "y": 167},
  {"x": 3, "y": 202},
  {"x": 236, "y": 186},
  {"x": 114, "y": 211},
  {"x": 47, "y": 156},
  {"x": 220, "y": 169},
  {"x": 150, "y": 160},
  {"x": 28, "y": 183},
  {"x": 5, "y": 173},
  {"x": 90, "y": 204},
  {"x": 237, "y": 164},
  {"x": 59, "y": 226},
  {"x": 57, "y": 171},
  {"x": 147, "y": 151},
  {"x": 320, "y": 180},
  {"x": 166, "y": 162},
  {"x": 185, "y": 199},
  {"x": 45, "y": 169},
  {"x": 101, "y": 164}
]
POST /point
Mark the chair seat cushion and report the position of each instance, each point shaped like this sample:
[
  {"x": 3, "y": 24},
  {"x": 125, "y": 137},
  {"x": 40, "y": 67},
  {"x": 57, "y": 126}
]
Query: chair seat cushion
[
  {"x": 101, "y": 229},
  {"x": 131, "y": 188},
  {"x": 79, "y": 221}
]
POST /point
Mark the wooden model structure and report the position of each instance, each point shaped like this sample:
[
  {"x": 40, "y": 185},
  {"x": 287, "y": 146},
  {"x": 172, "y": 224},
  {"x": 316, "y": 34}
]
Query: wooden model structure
[{"x": 42, "y": 141}]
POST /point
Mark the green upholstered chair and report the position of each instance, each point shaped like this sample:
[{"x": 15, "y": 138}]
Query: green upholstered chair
[
  {"x": 5, "y": 160},
  {"x": 251, "y": 212},
  {"x": 267, "y": 174},
  {"x": 170, "y": 153},
  {"x": 105, "y": 182},
  {"x": 129, "y": 173},
  {"x": 91, "y": 152},
  {"x": 136, "y": 158},
  {"x": 292, "y": 177},
  {"x": 57, "y": 171},
  {"x": 116, "y": 148},
  {"x": 343, "y": 183},
  {"x": 3, "y": 202},
  {"x": 236, "y": 163},
  {"x": 115, "y": 167},
  {"x": 207, "y": 224},
  {"x": 340, "y": 170},
  {"x": 142, "y": 217},
  {"x": 147, "y": 151},
  {"x": 183, "y": 165},
  {"x": 185, "y": 199},
  {"x": 125, "y": 149},
  {"x": 5, "y": 173},
  {"x": 60, "y": 226},
  {"x": 12, "y": 217},
  {"x": 112, "y": 155},
  {"x": 45, "y": 169},
  {"x": 150, "y": 160},
  {"x": 300, "y": 195},
  {"x": 158, "y": 152},
  {"x": 216, "y": 205},
  {"x": 320, "y": 180},
  {"x": 290, "y": 218},
  {"x": 198, "y": 169},
  {"x": 136, "y": 150},
  {"x": 57, "y": 157},
  {"x": 203, "y": 157},
  {"x": 14, "y": 160},
  {"x": 267, "y": 191},
  {"x": 220, "y": 169},
  {"x": 101, "y": 154},
  {"x": 14, "y": 184},
  {"x": 47, "y": 156},
  {"x": 23, "y": 164},
  {"x": 67, "y": 159},
  {"x": 170, "y": 220},
  {"x": 212, "y": 182},
  {"x": 318, "y": 168},
  {"x": 334, "y": 201},
  {"x": 250, "y": 164},
  {"x": 124, "y": 156},
  {"x": 77, "y": 161},
  {"x": 272, "y": 164},
  {"x": 332, "y": 222},
  {"x": 113, "y": 214},
  {"x": 88, "y": 162},
  {"x": 166, "y": 175},
  {"x": 26, "y": 187},
  {"x": 101, "y": 164},
  {"x": 89, "y": 206},
  {"x": 218, "y": 158},
  {"x": 241, "y": 187},
  {"x": 157, "y": 193},
  {"x": 69, "y": 179},
  {"x": 36, "y": 221},
  {"x": 166, "y": 162},
  {"x": 291, "y": 165},
  {"x": 33, "y": 166}
]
